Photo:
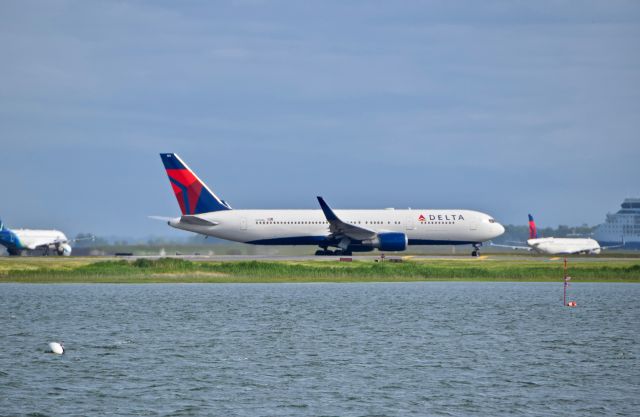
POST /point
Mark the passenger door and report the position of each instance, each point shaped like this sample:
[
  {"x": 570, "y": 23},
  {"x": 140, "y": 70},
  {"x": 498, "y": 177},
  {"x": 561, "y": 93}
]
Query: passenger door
[{"x": 410, "y": 223}]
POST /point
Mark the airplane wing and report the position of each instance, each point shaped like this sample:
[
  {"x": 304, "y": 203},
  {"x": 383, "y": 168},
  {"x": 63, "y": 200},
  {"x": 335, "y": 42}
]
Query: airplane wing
[
  {"x": 79, "y": 239},
  {"x": 527, "y": 248},
  {"x": 61, "y": 241},
  {"x": 622, "y": 244},
  {"x": 44, "y": 243},
  {"x": 339, "y": 228}
]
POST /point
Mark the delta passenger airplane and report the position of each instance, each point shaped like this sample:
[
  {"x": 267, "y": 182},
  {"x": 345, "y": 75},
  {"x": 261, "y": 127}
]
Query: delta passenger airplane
[
  {"x": 559, "y": 245},
  {"x": 348, "y": 231}
]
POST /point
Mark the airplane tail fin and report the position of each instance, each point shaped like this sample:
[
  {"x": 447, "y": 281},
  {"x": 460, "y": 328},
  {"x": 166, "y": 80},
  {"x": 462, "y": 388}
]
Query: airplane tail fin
[
  {"x": 533, "y": 232},
  {"x": 1, "y": 225},
  {"x": 193, "y": 195}
]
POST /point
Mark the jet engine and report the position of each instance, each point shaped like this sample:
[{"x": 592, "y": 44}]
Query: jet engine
[
  {"x": 64, "y": 249},
  {"x": 390, "y": 241}
]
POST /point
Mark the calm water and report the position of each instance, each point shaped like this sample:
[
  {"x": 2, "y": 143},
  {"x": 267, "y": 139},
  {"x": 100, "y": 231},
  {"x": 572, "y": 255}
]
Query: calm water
[{"x": 444, "y": 349}]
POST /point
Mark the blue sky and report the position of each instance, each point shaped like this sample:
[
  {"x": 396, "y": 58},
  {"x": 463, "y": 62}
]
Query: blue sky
[{"x": 507, "y": 107}]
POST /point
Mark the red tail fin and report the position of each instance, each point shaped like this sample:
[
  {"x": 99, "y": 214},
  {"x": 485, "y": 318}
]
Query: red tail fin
[
  {"x": 533, "y": 233},
  {"x": 193, "y": 196}
]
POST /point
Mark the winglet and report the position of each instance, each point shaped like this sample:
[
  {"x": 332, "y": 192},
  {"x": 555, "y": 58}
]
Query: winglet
[{"x": 328, "y": 213}]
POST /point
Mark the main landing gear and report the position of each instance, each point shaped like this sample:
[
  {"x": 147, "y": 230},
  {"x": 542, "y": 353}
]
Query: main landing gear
[
  {"x": 476, "y": 250},
  {"x": 337, "y": 252}
]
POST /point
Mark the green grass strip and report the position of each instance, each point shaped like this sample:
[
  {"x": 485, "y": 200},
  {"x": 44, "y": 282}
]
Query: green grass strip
[{"x": 179, "y": 270}]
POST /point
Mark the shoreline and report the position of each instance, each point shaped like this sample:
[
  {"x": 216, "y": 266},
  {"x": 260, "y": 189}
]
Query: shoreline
[{"x": 117, "y": 281}]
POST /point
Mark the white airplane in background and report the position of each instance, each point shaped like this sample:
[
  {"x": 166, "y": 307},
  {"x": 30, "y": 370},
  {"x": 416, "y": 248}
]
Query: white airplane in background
[
  {"x": 19, "y": 241},
  {"x": 347, "y": 230},
  {"x": 559, "y": 245}
]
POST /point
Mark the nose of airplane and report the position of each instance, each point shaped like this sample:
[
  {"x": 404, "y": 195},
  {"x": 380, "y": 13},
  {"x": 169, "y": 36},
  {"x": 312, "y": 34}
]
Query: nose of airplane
[{"x": 499, "y": 229}]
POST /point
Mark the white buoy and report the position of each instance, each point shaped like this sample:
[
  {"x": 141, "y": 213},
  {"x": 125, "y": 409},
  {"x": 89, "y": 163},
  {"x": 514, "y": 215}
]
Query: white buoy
[{"x": 57, "y": 348}]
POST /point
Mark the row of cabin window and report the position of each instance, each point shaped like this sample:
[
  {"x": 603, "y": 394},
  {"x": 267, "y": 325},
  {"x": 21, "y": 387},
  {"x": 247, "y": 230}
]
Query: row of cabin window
[
  {"x": 359, "y": 222},
  {"x": 292, "y": 222}
]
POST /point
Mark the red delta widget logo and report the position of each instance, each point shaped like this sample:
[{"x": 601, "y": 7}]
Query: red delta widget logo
[{"x": 441, "y": 217}]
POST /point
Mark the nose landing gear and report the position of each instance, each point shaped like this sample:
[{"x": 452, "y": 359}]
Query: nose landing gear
[{"x": 476, "y": 249}]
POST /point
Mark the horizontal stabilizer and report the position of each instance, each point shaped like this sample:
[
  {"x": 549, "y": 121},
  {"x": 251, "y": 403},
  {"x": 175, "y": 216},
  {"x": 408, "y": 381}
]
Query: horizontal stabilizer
[
  {"x": 197, "y": 221},
  {"x": 190, "y": 220},
  {"x": 163, "y": 218}
]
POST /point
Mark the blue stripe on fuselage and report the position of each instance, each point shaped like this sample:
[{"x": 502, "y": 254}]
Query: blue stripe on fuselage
[
  {"x": 293, "y": 240},
  {"x": 318, "y": 240},
  {"x": 440, "y": 242}
]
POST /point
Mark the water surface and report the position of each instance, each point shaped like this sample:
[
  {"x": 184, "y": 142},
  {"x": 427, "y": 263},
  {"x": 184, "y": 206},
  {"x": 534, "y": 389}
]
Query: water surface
[{"x": 439, "y": 348}]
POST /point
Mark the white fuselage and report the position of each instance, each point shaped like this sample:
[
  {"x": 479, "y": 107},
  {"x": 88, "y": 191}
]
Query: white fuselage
[
  {"x": 19, "y": 240},
  {"x": 31, "y": 239},
  {"x": 300, "y": 227},
  {"x": 564, "y": 246}
]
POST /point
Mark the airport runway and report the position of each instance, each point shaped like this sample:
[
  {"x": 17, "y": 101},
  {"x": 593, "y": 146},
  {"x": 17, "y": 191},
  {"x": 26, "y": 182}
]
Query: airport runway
[
  {"x": 307, "y": 258},
  {"x": 389, "y": 258}
]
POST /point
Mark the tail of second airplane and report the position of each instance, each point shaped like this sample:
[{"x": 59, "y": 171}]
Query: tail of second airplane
[
  {"x": 193, "y": 195},
  {"x": 533, "y": 232}
]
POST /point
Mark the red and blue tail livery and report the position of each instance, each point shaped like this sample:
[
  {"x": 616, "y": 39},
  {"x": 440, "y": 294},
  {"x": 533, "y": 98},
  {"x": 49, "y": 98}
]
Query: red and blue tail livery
[
  {"x": 193, "y": 195},
  {"x": 533, "y": 232}
]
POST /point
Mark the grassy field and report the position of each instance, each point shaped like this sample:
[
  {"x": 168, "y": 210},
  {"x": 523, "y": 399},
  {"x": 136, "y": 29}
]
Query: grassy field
[{"x": 91, "y": 270}]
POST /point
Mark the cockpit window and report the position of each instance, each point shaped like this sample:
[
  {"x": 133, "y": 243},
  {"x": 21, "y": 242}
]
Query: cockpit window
[{"x": 492, "y": 221}]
